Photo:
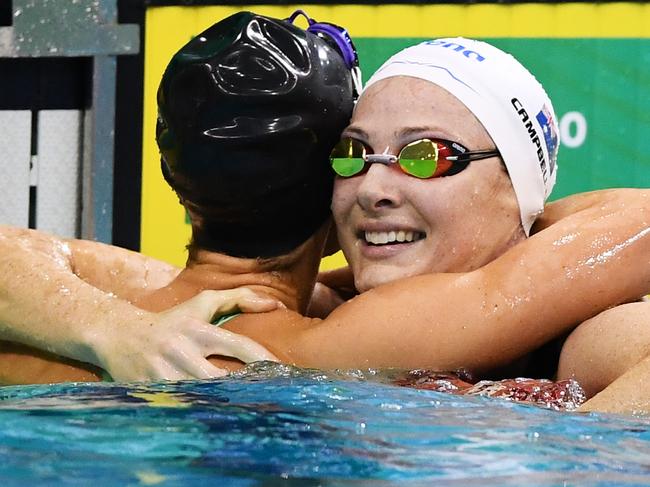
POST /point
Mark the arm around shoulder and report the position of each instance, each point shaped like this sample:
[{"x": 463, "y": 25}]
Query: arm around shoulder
[{"x": 584, "y": 263}]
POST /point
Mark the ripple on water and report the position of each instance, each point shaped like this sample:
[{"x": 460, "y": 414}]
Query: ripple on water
[{"x": 272, "y": 422}]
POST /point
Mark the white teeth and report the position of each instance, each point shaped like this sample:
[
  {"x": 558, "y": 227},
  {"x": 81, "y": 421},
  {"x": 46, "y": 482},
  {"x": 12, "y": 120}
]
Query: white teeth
[{"x": 381, "y": 238}]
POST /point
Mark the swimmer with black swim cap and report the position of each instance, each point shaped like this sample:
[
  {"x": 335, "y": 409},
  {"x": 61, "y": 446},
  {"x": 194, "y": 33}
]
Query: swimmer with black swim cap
[{"x": 248, "y": 112}]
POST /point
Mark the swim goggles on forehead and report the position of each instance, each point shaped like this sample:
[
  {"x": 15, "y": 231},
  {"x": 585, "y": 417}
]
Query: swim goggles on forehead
[
  {"x": 424, "y": 158},
  {"x": 339, "y": 38}
]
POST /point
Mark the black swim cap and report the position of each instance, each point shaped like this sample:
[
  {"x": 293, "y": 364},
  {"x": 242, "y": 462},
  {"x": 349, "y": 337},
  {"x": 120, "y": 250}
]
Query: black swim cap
[{"x": 248, "y": 113}]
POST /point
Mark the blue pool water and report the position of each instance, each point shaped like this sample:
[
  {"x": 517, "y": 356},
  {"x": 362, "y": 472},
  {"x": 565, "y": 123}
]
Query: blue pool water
[{"x": 274, "y": 425}]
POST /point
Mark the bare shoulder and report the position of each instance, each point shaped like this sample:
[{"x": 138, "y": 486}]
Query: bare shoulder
[
  {"x": 8, "y": 231},
  {"x": 280, "y": 331},
  {"x": 120, "y": 259},
  {"x": 20, "y": 364},
  {"x": 123, "y": 272},
  {"x": 605, "y": 200},
  {"x": 606, "y": 346},
  {"x": 15, "y": 240}
]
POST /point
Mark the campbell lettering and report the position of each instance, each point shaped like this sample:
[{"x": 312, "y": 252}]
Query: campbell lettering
[{"x": 532, "y": 133}]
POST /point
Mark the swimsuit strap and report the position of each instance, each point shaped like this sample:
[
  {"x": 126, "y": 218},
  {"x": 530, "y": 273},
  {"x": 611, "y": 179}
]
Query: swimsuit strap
[{"x": 226, "y": 318}]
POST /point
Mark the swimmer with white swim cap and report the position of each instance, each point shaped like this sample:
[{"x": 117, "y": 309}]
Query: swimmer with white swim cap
[
  {"x": 463, "y": 221},
  {"x": 514, "y": 109},
  {"x": 471, "y": 102}
]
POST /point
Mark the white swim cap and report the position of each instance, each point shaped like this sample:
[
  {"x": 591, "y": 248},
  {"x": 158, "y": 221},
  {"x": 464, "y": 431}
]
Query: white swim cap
[{"x": 510, "y": 103}]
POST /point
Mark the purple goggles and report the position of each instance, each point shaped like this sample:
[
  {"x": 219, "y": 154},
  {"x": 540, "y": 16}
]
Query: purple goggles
[{"x": 342, "y": 40}]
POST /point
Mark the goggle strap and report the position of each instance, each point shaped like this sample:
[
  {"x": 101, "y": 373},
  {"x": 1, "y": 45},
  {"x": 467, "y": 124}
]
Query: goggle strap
[
  {"x": 474, "y": 156},
  {"x": 343, "y": 42},
  {"x": 298, "y": 12},
  {"x": 357, "y": 81}
]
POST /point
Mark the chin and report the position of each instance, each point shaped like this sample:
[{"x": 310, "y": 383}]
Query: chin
[{"x": 373, "y": 277}]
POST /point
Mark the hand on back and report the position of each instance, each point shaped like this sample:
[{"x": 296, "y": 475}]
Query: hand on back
[{"x": 174, "y": 344}]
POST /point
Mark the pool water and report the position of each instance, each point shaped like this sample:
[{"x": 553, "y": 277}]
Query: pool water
[{"x": 276, "y": 425}]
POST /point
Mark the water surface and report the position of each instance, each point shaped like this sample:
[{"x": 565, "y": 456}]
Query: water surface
[{"x": 275, "y": 425}]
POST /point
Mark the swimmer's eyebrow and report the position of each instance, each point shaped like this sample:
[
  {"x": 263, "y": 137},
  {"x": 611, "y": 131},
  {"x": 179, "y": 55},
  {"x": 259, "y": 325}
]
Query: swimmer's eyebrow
[
  {"x": 355, "y": 131},
  {"x": 407, "y": 133}
]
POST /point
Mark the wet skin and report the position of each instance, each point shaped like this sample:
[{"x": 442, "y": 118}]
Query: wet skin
[
  {"x": 590, "y": 259},
  {"x": 459, "y": 222}
]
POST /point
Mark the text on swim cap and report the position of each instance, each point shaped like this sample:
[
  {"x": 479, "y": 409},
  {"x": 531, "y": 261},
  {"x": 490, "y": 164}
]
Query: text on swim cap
[
  {"x": 532, "y": 133},
  {"x": 454, "y": 46}
]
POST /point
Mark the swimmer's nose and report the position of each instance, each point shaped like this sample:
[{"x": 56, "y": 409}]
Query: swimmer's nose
[{"x": 377, "y": 190}]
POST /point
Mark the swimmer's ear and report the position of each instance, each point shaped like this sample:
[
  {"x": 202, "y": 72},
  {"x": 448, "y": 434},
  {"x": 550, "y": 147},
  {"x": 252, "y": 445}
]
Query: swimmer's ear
[{"x": 332, "y": 245}]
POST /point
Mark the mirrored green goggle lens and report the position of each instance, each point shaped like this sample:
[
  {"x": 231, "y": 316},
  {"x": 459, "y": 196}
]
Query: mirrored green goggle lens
[
  {"x": 347, "y": 157},
  {"x": 419, "y": 158},
  {"x": 347, "y": 166}
]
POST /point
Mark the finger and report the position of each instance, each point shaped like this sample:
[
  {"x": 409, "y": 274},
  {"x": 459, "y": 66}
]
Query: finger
[
  {"x": 244, "y": 348},
  {"x": 258, "y": 304},
  {"x": 217, "y": 341},
  {"x": 210, "y": 304},
  {"x": 202, "y": 306},
  {"x": 189, "y": 359},
  {"x": 162, "y": 369},
  {"x": 201, "y": 368},
  {"x": 159, "y": 371},
  {"x": 243, "y": 299}
]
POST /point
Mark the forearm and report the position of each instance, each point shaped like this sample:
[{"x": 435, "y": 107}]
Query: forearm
[
  {"x": 43, "y": 304},
  {"x": 576, "y": 268}
]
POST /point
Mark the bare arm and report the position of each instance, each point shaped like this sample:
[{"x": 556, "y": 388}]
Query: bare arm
[
  {"x": 605, "y": 347},
  {"x": 583, "y": 264},
  {"x": 609, "y": 356},
  {"x": 127, "y": 274},
  {"x": 336, "y": 286},
  {"x": 627, "y": 394},
  {"x": 45, "y": 305},
  {"x": 36, "y": 279},
  {"x": 485, "y": 318}
]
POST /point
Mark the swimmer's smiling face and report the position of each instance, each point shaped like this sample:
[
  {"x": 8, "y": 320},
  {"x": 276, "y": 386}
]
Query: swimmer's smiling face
[{"x": 392, "y": 225}]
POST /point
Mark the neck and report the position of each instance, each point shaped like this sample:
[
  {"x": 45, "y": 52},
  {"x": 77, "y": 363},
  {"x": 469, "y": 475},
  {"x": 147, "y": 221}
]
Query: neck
[
  {"x": 289, "y": 278},
  {"x": 515, "y": 237}
]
